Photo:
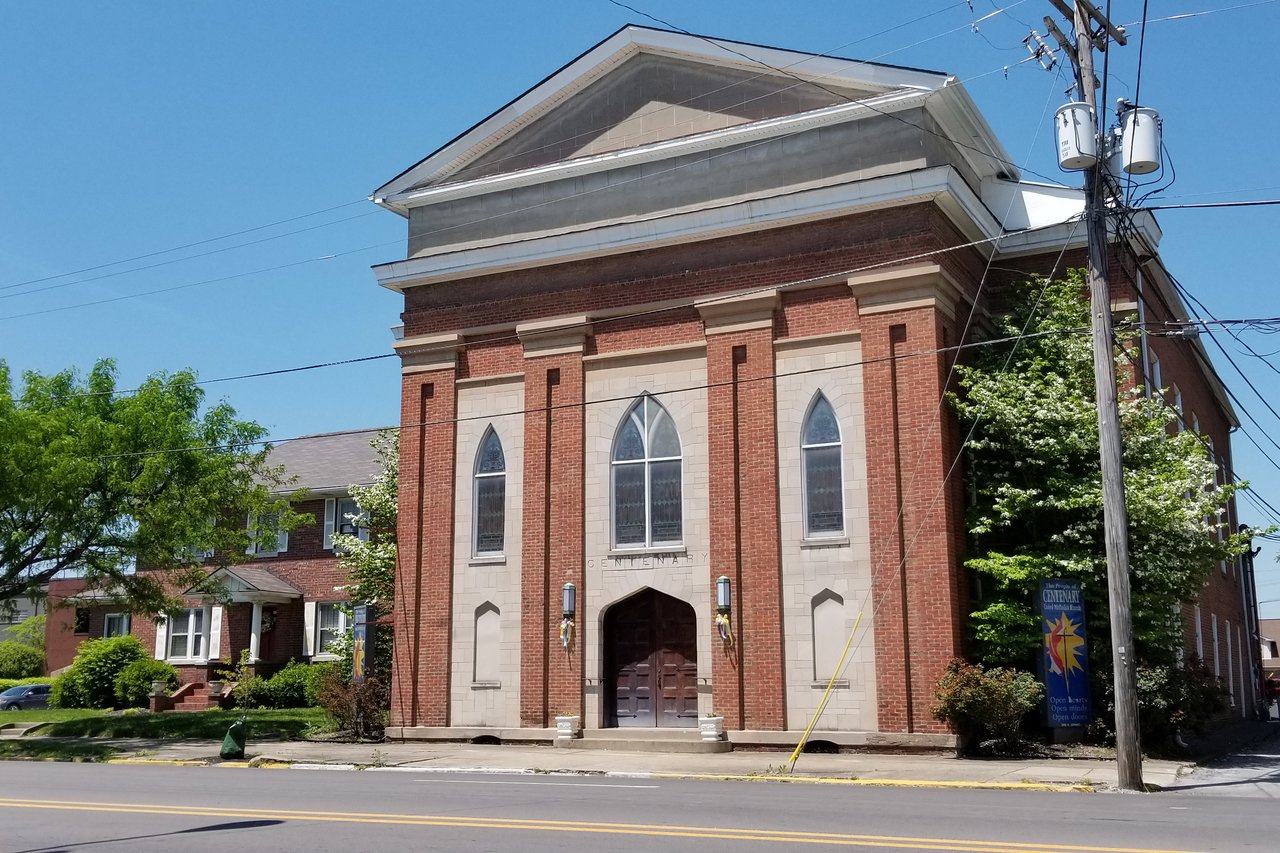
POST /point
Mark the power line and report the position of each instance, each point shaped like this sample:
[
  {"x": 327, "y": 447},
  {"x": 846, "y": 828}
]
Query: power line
[
  {"x": 1206, "y": 205},
  {"x": 596, "y": 322},
  {"x": 186, "y": 258},
  {"x": 523, "y": 153},
  {"x": 724, "y": 46},
  {"x": 584, "y": 403},
  {"x": 184, "y": 246}
]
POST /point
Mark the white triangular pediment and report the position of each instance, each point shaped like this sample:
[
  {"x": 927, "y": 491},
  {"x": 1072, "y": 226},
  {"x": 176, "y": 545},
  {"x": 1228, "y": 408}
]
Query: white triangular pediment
[{"x": 643, "y": 86}]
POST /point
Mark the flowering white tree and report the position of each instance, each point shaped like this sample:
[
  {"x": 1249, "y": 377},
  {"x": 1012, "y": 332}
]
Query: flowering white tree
[
  {"x": 1036, "y": 491},
  {"x": 371, "y": 565}
]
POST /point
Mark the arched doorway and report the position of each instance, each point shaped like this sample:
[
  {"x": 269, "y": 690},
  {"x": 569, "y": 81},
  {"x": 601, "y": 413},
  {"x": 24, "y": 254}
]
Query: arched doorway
[{"x": 651, "y": 662}]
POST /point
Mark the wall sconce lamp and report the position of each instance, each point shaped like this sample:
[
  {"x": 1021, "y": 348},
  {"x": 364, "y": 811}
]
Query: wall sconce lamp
[
  {"x": 570, "y": 605},
  {"x": 724, "y": 595}
]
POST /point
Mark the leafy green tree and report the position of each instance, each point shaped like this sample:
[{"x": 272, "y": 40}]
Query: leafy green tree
[
  {"x": 371, "y": 565},
  {"x": 1036, "y": 490},
  {"x": 99, "y": 481}
]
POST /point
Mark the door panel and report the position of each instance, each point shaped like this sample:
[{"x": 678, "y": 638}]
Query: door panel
[{"x": 651, "y": 653}]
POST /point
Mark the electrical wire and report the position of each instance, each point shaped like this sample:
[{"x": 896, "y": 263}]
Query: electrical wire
[
  {"x": 183, "y": 246},
  {"x": 582, "y": 404},
  {"x": 598, "y": 322}
]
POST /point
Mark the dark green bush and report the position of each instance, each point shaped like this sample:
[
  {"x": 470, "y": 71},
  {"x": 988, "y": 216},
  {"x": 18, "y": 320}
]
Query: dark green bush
[
  {"x": 133, "y": 684},
  {"x": 19, "y": 660},
  {"x": 288, "y": 687},
  {"x": 251, "y": 691},
  {"x": 316, "y": 674},
  {"x": 90, "y": 681},
  {"x": 986, "y": 703}
]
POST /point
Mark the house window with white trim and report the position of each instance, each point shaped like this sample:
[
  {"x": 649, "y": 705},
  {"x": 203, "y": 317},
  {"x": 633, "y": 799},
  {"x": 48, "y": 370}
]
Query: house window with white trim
[
  {"x": 822, "y": 450},
  {"x": 646, "y": 478},
  {"x": 186, "y": 633},
  {"x": 351, "y": 520},
  {"x": 115, "y": 625},
  {"x": 490, "y": 497},
  {"x": 331, "y": 626},
  {"x": 261, "y": 544}
]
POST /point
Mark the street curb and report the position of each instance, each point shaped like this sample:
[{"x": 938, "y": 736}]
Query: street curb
[
  {"x": 159, "y": 762},
  {"x": 1081, "y": 787},
  {"x": 883, "y": 783}
]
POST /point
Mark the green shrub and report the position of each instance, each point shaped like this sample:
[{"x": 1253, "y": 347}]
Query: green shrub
[
  {"x": 251, "y": 692},
  {"x": 986, "y": 703},
  {"x": 90, "y": 681},
  {"x": 133, "y": 684},
  {"x": 1177, "y": 698},
  {"x": 18, "y": 660},
  {"x": 316, "y": 674},
  {"x": 288, "y": 687},
  {"x": 6, "y": 683}
]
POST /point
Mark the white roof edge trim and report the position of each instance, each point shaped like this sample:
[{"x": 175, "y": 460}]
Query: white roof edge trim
[
  {"x": 758, "y": 130},
  {"x": 668, "y": 229},
  {"x": 624, "y": 44}
]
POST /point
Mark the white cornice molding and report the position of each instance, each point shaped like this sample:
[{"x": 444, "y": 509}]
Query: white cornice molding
[
  {"x": 737, "y": 217},
  {"x": 901, "y": 99}
]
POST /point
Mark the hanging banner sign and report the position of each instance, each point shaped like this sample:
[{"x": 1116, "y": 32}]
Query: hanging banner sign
[
  {"x": 362, "y": 634},
  {"x": 1066, "y": 658}
]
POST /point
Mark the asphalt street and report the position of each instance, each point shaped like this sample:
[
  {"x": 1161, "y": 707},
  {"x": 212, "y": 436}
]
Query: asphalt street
[{"x": 93, "y": 807}]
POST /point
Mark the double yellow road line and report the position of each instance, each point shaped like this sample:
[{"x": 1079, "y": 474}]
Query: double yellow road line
[{"x": 767, "y": 836}]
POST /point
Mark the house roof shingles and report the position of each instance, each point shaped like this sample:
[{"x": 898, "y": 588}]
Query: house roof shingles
[{"x": 326, "y": 463}]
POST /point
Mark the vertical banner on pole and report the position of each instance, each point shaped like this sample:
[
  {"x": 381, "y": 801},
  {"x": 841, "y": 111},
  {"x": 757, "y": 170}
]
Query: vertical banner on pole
[
  {"x": 362, "y": 642},
  {"x": 1066, "y": 658}
]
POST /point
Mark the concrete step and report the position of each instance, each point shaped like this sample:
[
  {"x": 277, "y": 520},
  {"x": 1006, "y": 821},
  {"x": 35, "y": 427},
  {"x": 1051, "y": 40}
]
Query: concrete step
[
  {"x": 645, "y": 740},
  {"x": 644, "y": 733}
]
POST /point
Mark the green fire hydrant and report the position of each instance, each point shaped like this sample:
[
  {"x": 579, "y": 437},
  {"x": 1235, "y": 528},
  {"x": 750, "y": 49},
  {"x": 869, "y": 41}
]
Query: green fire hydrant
[{"x": 233, "y": 743}]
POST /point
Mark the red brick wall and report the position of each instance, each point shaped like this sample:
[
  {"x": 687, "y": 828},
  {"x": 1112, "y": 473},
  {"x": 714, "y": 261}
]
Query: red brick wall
[
  {"x": 424, "y": 575},
  {"x": 747, "y": 678},
  {"x": 915, "y": 515},
  {"x": 60, "y": 638},
  {"x": 551, "y": 677}
]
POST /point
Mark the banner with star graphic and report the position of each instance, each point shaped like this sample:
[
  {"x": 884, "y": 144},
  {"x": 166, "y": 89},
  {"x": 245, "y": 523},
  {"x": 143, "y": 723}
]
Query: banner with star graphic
[{"x": 1066, "y": 658}]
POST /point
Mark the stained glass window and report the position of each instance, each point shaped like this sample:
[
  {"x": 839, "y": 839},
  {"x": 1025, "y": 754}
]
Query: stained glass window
[
  {"x": 490, "y": 496},
  {"x": 823, "y": 471},
  {"x": 647, "y": 465}
]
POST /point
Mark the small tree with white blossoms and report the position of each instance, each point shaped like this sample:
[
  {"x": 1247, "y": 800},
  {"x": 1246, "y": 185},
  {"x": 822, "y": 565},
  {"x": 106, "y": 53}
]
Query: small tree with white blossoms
[
  {"x": 1036, "y": 493},
  {"x": 371, "y": 565}
]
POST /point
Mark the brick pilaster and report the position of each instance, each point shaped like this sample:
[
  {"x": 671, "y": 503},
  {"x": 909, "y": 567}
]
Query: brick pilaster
[
  {"x": 424, "y": 571},
  {"x": 551, "y": 676},
  {"x": 915, "y": 518},
  {"x": 742, "y": 421}
]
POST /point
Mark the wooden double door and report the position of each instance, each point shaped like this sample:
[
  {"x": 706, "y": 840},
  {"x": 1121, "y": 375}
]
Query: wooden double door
[{"x": 651, "y": 662}]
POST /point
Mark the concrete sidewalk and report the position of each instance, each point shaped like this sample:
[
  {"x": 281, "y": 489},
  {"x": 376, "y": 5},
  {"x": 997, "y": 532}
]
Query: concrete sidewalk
[{"x": 867, "y": 768}]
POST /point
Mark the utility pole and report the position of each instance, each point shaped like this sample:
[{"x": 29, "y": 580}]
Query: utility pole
[{"x": 1115, "y": 515}]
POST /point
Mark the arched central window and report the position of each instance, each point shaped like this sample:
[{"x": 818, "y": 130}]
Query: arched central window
[
  {"x": 646, "y": 478},
  {"x": 823, "y": 471},
  {"x": 490, "y": 496}
]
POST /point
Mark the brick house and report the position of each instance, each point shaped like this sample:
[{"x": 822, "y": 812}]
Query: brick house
[
  {"x": 672, "y": 316},
  {"x": 280, "y": 603}
]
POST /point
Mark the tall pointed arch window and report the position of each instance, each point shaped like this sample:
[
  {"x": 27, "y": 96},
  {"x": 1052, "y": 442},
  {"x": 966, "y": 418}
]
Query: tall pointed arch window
[
  {"x": 822, "y": 450},
  {"x": 646, "y": 463},
  {"x": 490, "y": 497}
]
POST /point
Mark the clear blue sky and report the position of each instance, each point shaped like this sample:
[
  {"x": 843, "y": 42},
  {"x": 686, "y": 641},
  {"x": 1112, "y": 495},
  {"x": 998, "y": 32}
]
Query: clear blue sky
[{"x": 130, "y": 128}]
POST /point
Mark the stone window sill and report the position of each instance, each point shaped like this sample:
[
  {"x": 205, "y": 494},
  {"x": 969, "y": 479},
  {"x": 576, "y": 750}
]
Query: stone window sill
[
  {"x": 830, "y": 542},
  {"x": 486, "y": 685},
  {"x": 841, "y": 684},
  {"x": 654, "y": 551},
  {"x": 489, "y": 560}
]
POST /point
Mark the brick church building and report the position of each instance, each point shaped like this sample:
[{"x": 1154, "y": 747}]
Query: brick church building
[{"x": 676, "y": 325}]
